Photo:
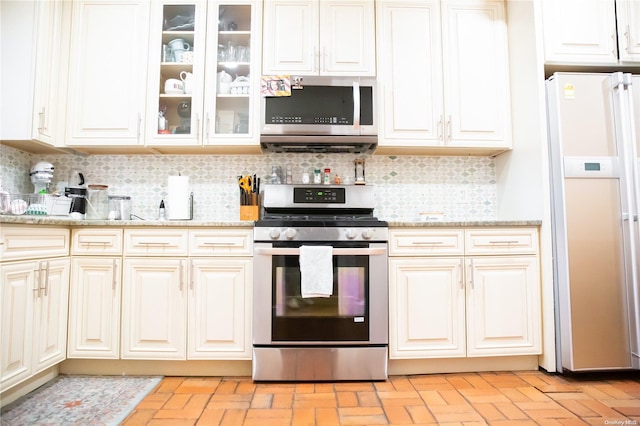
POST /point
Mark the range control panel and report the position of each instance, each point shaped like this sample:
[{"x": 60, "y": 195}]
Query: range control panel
[{"x": 319, "y": 195}]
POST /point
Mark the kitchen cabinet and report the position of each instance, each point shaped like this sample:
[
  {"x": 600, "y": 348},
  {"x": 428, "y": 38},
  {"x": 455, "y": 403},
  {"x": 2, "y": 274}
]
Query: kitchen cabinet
[
  {"x": 457, "y": 293},
  {"x": 33, "y": 320},
  {"x": 189, "y": 297},
  {"x": 213, "y": 39},
  {"x": 445, "y": 70},
  {"x": 95, "y": 293},
  {"x": 106, "y": 94},
  {"x": 32, "y": 48},
  {"x": 592, "y": 32},
  {"x": 325, "y": 37}
]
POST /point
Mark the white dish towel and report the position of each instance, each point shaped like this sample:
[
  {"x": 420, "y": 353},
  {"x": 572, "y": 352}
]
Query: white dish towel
[{"x": 316, "y": 271}]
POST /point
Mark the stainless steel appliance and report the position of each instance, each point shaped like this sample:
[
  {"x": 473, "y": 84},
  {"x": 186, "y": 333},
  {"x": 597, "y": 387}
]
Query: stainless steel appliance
[
  {"x": 594, "y": 122},
  {"x": 325, "y": 114},
  {"x": 340, "y": 337}
]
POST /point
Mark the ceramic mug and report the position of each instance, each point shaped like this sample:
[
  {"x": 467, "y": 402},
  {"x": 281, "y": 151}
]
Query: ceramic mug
[
  {"x": 187, "y": 79},
  {"x": 173, "y": 86},
  {"x": 179, "y": 44}
]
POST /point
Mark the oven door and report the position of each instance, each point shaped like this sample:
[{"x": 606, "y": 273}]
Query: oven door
[{"x": 355, "y": 314}]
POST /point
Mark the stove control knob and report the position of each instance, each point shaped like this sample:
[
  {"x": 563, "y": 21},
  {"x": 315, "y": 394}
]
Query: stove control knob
[
  {"x": 274, "y": 233},
  {"x": 290, "y": 233},
  {"x": 350, "y": 234},
  {"x": 367, "y": 234}
]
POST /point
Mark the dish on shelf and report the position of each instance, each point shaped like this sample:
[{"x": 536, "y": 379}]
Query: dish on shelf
[{"x": 173, "y": 92}]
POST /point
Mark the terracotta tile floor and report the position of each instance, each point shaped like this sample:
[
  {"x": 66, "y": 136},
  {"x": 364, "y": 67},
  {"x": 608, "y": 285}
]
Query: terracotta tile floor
[{"x": 517, "y": 398}]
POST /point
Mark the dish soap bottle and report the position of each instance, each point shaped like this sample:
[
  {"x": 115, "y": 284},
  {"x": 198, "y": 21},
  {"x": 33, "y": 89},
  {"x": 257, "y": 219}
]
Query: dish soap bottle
[{"x": 162, "y": 215}]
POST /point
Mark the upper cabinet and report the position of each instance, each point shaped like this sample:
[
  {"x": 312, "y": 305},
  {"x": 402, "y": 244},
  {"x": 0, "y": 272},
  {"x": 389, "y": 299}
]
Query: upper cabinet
[
  {"x": 591, "y": 32},
  {"x": 443, "y": 73},
  {"x": 319, "y": 37},
  {"x": 32, "y": 44},
  {"x": 107, "y": 75},
  {"x": 203, "y": 81}
]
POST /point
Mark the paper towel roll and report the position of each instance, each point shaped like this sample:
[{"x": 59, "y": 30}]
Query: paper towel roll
[{"x": 178, "y": 198}]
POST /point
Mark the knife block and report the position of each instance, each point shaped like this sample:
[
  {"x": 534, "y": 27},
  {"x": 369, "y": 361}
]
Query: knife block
[{"x": 249, "y": 213}]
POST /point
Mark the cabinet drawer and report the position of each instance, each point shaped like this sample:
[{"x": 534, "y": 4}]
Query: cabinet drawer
[
  {"x": 156, "y": 242},
  {"x": 220, "y": 242},
  {"x": 501, "y": 241},
  {"x": 425, "y": 242},
  {"x": 96, "y": 241},
  {"x": 18, "y": 243}
]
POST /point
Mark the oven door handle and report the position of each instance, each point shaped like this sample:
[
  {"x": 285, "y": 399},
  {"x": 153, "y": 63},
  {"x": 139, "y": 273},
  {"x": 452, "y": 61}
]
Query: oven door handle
[{"x": 337, "y": 251}]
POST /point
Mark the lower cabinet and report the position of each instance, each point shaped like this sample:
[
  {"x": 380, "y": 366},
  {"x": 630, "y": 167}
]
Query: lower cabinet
[
  {"x": 465, "y": 305},
  {"x": 34, "y": 317},
  {"x": 177, "y": 308}
]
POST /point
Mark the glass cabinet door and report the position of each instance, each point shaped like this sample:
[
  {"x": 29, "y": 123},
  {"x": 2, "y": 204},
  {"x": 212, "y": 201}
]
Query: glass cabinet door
[
  {"x": 233, "y": 73},
  {"x": 176, "y": 73}
]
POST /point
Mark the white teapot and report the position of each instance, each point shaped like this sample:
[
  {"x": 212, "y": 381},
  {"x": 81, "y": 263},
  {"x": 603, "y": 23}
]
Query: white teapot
[{"x": 187, "y": 79}]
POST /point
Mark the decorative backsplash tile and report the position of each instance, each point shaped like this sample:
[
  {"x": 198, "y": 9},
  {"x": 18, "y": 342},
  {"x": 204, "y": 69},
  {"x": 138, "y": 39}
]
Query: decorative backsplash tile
[{"x": 463, "y": 188}]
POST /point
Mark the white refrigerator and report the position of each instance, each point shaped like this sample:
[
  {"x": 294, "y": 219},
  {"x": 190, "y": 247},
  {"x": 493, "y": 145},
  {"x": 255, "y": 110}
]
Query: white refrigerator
[{"x": 594, "y": 140}]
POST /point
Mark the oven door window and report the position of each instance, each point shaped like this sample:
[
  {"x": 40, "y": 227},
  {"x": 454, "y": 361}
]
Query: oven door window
[{"x": 341, "y": 317}]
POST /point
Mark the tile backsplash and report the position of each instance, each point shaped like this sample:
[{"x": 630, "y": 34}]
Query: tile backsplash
[{"x": 463, "y": 188}]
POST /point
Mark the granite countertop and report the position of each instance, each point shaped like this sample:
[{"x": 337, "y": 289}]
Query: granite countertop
[{"x": 65, "y": 221}]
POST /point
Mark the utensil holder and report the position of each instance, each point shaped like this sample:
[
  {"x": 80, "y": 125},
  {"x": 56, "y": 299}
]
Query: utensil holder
[{"x": 249, "y": 213}]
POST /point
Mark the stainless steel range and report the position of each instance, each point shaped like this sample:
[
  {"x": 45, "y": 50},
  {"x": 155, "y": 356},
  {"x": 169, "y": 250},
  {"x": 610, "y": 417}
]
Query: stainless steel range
[{"x": 338, "y": 334}]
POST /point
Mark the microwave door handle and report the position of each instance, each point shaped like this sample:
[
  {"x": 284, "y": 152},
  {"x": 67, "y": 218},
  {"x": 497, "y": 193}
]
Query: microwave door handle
[{"x": 356, "y": 105}]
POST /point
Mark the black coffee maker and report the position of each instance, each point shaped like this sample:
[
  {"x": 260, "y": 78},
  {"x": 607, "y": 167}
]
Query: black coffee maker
[{"x": 77, "y": 191}]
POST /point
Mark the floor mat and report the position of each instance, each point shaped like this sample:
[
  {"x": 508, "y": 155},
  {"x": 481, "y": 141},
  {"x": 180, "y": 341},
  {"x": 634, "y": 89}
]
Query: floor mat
[{"x": 79, "y": 400}]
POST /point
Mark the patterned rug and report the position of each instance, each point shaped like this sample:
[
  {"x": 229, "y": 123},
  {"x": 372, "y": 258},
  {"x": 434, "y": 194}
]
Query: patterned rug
[{"x": 79, "y": 400}]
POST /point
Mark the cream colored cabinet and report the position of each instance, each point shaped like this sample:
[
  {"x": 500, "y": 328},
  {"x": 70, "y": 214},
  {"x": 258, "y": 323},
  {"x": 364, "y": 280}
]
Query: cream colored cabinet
[
  {"x": 107, "y": 77},
  {"x": 32, "y": 54},
  {"x": 435, "y": 96},
  {"x": 189, "y": 296},
  {"x": 473, "y": 292},
  {"x": 503, "y": 305},
  {"x": 325, "y": 37},
  {"x": 591, "y": 32},
  {"x": 34, "y": 283},
  {"x": 154, "y": 294},
  {"x": 95, "y": 293},
  {"x": 195, "y": 43},
  {"x": 219, "y": 317}
]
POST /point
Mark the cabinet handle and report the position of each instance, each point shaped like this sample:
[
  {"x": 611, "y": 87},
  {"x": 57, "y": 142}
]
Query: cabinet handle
[
  {"x": 41, "y": 120},
  {"x": 460, "y": 274},
  {"x": 440, "y": 128},
  {"x": 207, "y": 125},
  {"x": 153, "y": 243},
  {"x": 449, "y": 129},
  {"x": 470, "y": 265},
  {"x": 431, "y": 243},
  {"x": 36, "y": 281},
  {"x": 115, "y": 275},
  {"x": 44, "y": 283},
  {"x": 316, "y": 58},
  {"x": 139, "y": 127},
  {"x": 191, "y": 276},
  {"x": 198, "y": 128},
  {"x": 504, "y": 243},
  {"x": 323, "y": 62},
  {"x": 221, "y": 243},
  {"x": 181, "y": 271},
  {"x": 627, "y": 35}
]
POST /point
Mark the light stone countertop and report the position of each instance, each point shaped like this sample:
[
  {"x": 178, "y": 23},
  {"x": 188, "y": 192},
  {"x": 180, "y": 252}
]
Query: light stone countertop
[{"x": 65, "y": 221}]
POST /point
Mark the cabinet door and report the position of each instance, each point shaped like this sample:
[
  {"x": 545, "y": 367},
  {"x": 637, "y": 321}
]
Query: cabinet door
[
  {"x": 19, "y": 291},
  {"x": 94, "y": 307},
  {"x": 579, "y": 31},
  {"x": 154, "y": 303},
  {"x": 220, "y": 309},
  {"x": 290, "y": 43},
  {"x": 628, "y": 15},
  {"x": 427, "y": 308},
  {"x": 51, "y": 310},
  {"x": 177, "y": 45},
  {"x": 347, "y": 41},
  {"x": 503, "y": 306},
  {"x": 476, "y": 70},
  {"x": 410, "y": 65},
  {"x": 232, "y": 80},
  {"x": 49, "y": 70},
  {"x": 107, "y": 75}
]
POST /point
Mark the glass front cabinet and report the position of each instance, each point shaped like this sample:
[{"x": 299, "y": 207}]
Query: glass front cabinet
[{"x": 204, "y": 73}]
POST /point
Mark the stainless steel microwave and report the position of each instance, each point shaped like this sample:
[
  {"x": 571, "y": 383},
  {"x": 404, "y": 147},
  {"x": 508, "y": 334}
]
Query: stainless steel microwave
[{"x": 323, "y": 114}]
